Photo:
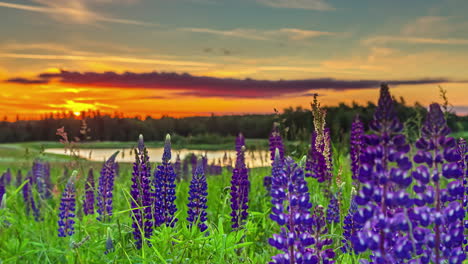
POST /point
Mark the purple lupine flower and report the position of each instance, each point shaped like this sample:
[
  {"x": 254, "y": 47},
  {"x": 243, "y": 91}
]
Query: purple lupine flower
[
  {"x": 333, "y": 210},
  {"x": 384, "y": 178},
  {"x": 290, "y": 209},
  {"x": 178, "y": 168},
  {"x": 439, "y": 211},
  {"x": 88, "y": 202},
  {"x": 319, "y": 231},
  {"x": 197, "y": 200},
  {"x": 106, "y": 188},
  {"x": 142, "y": 215},
  {"x": 67, "y": 209},
  {"x": 275, "y": 142},
  {"x": 7, "y": 176},
  {"x": 19, "y": 178},
  {"x": 356, "y": 146},
  {"x": 350, "y": 227},
  {"x": 193, "y": 162},
  {"x": 28, "y": 197},
  {"x": 240, "y": 187},
  {"x": 39, "y": 178},
  {"x": 164, "y": 189}
]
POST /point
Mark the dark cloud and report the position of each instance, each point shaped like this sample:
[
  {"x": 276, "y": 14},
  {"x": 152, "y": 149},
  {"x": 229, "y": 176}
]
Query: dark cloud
[
  {"x": 27, "y": 81},
  {"x": 203, "y": 86}
]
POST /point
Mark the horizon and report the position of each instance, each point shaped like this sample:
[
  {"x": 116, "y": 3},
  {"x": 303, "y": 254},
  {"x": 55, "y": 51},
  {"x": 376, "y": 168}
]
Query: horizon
[{"x": 196, "y": 57}]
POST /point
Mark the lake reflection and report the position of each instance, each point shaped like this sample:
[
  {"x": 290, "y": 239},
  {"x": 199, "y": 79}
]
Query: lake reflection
[{"x": 257, "y": 158}]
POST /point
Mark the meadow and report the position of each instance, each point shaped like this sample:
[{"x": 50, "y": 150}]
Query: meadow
[{"x": 325, "y": 180}]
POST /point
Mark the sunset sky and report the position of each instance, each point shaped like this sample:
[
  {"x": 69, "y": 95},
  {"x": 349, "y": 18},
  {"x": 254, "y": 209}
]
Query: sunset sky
[{"x": 197, "y": 57}]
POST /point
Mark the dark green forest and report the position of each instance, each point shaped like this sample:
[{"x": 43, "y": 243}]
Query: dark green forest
[{"x": 295, "y": 123}]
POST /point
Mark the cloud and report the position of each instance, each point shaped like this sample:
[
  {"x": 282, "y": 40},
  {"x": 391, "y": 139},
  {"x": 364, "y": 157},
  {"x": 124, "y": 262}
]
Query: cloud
[
  {"x": 100, "y": 58},
  {"x": 255, "y": 34},
  {"x": 379, "y": 40},
  {"x": 72, "y": 11},
  {"x": 203, "y": 86},
  {"x": 27, "y": 81},
  {"x": 319, "y": 5}
]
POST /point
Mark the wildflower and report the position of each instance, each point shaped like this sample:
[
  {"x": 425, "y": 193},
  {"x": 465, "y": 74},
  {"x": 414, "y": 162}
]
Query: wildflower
[
  {"x": 383, "y": 195},
  {"x": 28, "y": 198},
  {"x": 106, "y": 188},
  {"x": 67, "y": 209},
  {"x": 164, "y": 207},
  {"x": 88, "y": 202},
  {"x": 439, "y": 157},
  {"x": 197, "y": 199},
  {"x": 240, "y": 187},
  {"x": 141, "y": 195},
  {"x": 290, "y": 209}
]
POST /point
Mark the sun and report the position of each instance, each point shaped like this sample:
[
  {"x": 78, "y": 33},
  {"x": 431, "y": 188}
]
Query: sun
[{"x": 76, "y": 113}]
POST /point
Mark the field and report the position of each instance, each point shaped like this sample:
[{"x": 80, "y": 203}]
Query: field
[
  {"x": 25, "y": 241},
  {"x": 373, "y": 200}
]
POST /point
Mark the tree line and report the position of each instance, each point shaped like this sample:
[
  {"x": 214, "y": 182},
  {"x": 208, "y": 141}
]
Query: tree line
[{"x": 296, "y": 124}]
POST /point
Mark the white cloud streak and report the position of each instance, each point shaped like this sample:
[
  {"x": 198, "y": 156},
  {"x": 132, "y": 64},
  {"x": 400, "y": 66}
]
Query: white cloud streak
[{"x": 72, "y": 11}]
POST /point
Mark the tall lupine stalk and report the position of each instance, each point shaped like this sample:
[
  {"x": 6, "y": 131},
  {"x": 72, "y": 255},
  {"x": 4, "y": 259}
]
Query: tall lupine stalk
[
  {"x": 275, "y": 142},
  {"x": 106, "y": 188},
  {"x": 164, "y": 207},
  {"x": 88, "y": 202},
  {"x": 197, "y": 199},
  {"x": 290, "y": 209},
  {"x": 28, "y": 197},
  {"x": 384, "y": 177},
  {"x": 319, "y": 161},
  {"x": 41, "y": 177},
  {"x": 141, "y": 202},
  {"x": 439, "y": 211},
  {"x": 356, "y": 146},
  {"x": 67, "y": 209},
  {"x": 350, "y": 227},
  {"x": 240, "y": 187}
]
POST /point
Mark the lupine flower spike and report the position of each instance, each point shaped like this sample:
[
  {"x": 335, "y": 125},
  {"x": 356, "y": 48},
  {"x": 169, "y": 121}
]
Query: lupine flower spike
[
  {"x": 141, "y": 195},
  {"x": 67, "y": 209},
  {"x": 290, "y": 209},
  {"x": 240, "y": 187},
  {"x": 164, "y": 207},
  {"x": 439, "y": 211},
  {"x": 197, "y": 200},
  {"x": 88, "y": 203},
  {"x": 106, "y": 188},
  {"x": 384, "y": 177}
]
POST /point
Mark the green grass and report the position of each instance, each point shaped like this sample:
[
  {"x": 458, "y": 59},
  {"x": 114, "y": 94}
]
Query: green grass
[{"x": 22, "y": 240}]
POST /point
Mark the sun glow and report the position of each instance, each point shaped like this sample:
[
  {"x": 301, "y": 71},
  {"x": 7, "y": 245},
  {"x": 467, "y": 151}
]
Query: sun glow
[{"x": 76, "y": 113}]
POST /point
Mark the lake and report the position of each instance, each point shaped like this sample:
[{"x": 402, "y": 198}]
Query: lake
[{"x": 257, "y": 158}]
